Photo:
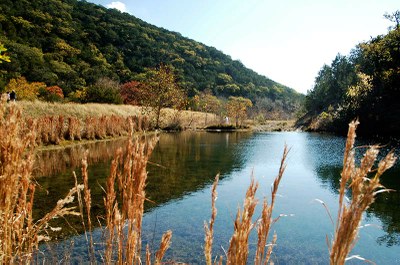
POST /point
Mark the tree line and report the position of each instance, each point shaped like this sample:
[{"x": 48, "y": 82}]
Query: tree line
[{"x": 364, "y": 85}]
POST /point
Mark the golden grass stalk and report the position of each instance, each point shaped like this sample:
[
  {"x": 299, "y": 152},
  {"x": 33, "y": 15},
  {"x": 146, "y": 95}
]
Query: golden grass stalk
[
  {"x": 164, "y": 245},
  {"x": 111, "y": 206},
  {"x": 148, "y": 255},
  {"x": 19, "y": 233},
  {"x": 130, "y": 174},
  {"x": 209, "y": 229},
  {"x": 88, "y": 202},
  {"x": 363, "y": 190},
  {"x": 238, "y": 248},
  {"x": 266, "y": 221}
]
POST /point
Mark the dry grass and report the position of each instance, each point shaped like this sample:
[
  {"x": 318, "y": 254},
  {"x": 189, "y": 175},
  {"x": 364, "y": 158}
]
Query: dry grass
[
  {"x": 55, "y": 129},
  {"x": 37, "y": 109},
  {"x": 209, "y": 229},
  {"x": 239, "y": 243},
  {"x": 169, "y": 118},
  {"x": 129, "y": 175},
  {"x": 363, "y": 191},
  {"x": 20, "y": 234},
  {"x": 264, "y": 226}
]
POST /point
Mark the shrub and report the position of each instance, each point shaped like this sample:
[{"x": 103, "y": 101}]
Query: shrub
[
  {"x": 51, "y": 94},
  {"x": 104, "y": 91}
]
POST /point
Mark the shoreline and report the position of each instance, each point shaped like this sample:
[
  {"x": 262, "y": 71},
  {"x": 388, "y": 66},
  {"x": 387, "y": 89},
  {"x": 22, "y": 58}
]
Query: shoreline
[{"x": 268, "y": 126}]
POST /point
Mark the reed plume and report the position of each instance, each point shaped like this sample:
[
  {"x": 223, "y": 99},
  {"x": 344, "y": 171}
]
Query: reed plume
[
  {"x": 209, "y": 229},
  {"x": 266, "y": 221},
  {"x": 164, "y": 245},
  {"x": 88, "y": 202},
  {"x": 129, "y": 173},
  {"x": 363, "y": 191},
  {"x": 239, "y": 244},
  {"x": 20, "y": 234}
]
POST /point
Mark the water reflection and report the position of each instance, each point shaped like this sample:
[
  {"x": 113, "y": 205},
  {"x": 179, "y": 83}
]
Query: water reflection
[
  {"x": 51, "y": 162},
  {"x": 181, "y": 164},
  {"x": 386, "y": 207},
  {"x": 184, "y": 164}
]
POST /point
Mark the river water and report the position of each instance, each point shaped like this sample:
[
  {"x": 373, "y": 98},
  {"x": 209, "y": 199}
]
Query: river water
[{"x": 180, "y": 177}]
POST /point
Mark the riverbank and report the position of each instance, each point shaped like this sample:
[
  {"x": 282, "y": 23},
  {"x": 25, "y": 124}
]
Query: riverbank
[
  {"x": 275, "y": 126},
  {"x": 60, "y": 125},
  {"x": 169, "y": 117}
]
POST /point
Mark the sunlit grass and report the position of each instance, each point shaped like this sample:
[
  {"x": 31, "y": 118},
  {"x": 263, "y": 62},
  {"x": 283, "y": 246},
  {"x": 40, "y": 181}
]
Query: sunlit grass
[{"x": 170, "y": 118}]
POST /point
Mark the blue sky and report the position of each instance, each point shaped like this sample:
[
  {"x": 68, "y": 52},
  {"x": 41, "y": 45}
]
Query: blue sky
[{"x": 287, "y": 40}]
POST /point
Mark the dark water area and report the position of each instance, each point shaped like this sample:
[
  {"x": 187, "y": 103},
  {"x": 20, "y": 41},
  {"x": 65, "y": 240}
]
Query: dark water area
[{"x": 182, "y": 168}]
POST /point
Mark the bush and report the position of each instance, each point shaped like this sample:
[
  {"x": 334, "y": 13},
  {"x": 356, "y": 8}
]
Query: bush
[
  {"x": 51, "y": 94},
  {"x": 104, "y": 91}
]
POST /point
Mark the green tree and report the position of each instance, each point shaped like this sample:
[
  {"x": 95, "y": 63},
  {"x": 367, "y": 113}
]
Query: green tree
[
  {"x": 208, "y": 103},
  {"x": 104, "y": 90},
  {"x": 364, "y": 85},
  {"x": 160, "y": 90},
  {"x": 3, "y": 57},
  {"x": 237, "y": 108}
]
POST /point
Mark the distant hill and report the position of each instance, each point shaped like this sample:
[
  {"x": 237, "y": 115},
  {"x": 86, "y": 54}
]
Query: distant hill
[{"x": 74, "y": 43}]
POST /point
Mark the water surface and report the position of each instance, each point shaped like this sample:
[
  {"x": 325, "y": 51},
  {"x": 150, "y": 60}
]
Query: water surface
[{"x": 180, "y": 177}]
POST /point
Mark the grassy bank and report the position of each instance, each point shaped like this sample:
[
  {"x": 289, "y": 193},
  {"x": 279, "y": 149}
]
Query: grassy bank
[
  {"x": 275, "y": 126},
  {"x": 60, "y": 124},
  {"x": 169, "y": 117}
]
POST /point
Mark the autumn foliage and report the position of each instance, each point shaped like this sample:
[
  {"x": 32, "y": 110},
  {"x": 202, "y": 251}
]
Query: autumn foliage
[
  {"x": 131, "y": 92},
  {"x": 24, "y": 89},
  {"x": 237, "y": 108}
]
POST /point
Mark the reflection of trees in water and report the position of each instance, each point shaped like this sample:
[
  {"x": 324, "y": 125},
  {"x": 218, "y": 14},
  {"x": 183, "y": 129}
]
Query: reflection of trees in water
[
  {"x": 53, "y": 172},
  {"x": 386, "y": 207},
  {"x": 51, "y": 162},
  {"x": 189, "y": 161},
  {"x": 181, "y": 163}
]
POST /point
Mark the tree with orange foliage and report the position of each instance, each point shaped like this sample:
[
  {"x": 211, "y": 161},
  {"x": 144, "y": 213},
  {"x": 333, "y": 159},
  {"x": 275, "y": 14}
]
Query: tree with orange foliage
[
  {"x": 131, "y": 92},
  {"x": 52, "y": 93}
]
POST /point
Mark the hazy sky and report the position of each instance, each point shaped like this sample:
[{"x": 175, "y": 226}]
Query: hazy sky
[{"x": 287, "y": 40}]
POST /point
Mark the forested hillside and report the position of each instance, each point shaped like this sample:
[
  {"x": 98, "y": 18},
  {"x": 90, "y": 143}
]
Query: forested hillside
[
  {"x": 363, "y": 85},
  {"x": 72, "y": 44}
]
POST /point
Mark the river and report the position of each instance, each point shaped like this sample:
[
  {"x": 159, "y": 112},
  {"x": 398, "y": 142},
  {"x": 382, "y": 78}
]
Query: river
[{"x": 182, "y": 169}]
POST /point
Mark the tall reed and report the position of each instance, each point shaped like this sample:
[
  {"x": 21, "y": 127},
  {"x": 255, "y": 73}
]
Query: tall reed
[
  {"x": 124, "y": 222},
  {"x": 209, "y": 229},
  {"x": 20, "y": 234},
  {"x": 239, "y": 243},
  {"x": 264, "y": 226},
  {"x": 363, "y": 191}
]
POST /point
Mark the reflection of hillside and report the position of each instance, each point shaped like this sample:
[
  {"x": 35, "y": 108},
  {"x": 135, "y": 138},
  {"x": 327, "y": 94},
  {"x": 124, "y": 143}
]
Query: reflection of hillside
[
  {"x": 51, "y": 162},
  {"x": 386, "y": 207},
  {"x": 188, "y": 161},
  {"x": 181, "y": 163}
]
